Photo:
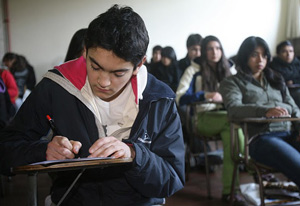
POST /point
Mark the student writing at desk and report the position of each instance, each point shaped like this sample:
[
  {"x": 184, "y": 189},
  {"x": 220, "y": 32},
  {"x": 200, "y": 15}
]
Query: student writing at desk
[
  {"x": 258, "y": 91},
  {"x": 104, "y": 104}
]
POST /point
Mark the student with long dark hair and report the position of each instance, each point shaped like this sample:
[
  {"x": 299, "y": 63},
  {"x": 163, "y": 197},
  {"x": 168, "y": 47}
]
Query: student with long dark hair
[
  {"x": 258, "y": 91},
  {"x": 200, "y": 83}
]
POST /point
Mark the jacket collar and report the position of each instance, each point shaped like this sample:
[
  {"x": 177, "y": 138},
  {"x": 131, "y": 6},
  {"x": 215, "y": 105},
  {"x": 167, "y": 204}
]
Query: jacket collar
[{"x": 75, "y": 72}]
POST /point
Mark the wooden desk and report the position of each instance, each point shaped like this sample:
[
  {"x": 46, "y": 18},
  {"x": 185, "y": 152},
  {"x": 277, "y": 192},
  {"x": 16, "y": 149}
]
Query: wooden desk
[
  {"x": 244, "y": 125},
  {"x": 33, "y": 170},
  {"x": 265, "y": 119}
]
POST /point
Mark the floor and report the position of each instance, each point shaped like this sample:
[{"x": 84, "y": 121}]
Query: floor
[{"x": 193, "y": 194}]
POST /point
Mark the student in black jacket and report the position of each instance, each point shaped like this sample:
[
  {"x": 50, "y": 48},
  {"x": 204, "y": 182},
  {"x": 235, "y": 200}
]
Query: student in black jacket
[
  {"x": 104, "y": 104},
  {"x": 193, "y": 45},
  {"x": 288, "y": 65}
]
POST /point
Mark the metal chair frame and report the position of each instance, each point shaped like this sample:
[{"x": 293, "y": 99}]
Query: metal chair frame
[
  {"x": 239, "y": 158},
  {"x": 192, "y": 127}
]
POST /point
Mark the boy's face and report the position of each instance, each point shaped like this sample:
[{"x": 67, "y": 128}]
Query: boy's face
[
  {"x": 156, "y": 56},
  {"x": 194, "y": 52},
  {"x": 108, "y": 74},
  {"x": 287, "y": 54}
]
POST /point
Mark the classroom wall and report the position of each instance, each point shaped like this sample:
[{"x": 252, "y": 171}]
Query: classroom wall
[{"x": 41, "y": 29}]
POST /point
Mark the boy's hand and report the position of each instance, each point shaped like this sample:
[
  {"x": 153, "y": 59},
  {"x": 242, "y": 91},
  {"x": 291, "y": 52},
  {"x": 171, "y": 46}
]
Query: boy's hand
[
  {"x": 62, "y": 148},
  {"x": 111, "y": 146}
]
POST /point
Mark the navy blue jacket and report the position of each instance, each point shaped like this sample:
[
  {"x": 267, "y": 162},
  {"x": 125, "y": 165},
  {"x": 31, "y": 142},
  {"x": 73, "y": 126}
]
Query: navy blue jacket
[{"x": 156, "y": 172}]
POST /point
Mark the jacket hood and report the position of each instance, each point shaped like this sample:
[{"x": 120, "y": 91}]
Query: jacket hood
[
  {"x": 75, "y": 72},
  {"x": 144, "y": 85}
]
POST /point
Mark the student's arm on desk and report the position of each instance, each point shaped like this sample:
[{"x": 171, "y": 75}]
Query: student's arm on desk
[
  {"x": 277, "y": 112},
  {"x": 111, "y": 147}
]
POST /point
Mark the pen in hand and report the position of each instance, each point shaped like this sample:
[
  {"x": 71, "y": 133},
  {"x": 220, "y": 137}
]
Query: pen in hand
[
  {"x": 56, "y": 131},
  {"x": 53, "y": 127}
]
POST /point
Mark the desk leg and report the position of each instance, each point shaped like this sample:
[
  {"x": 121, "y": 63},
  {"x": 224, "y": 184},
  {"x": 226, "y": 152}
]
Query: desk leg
[{"x": 32, "y": 190}]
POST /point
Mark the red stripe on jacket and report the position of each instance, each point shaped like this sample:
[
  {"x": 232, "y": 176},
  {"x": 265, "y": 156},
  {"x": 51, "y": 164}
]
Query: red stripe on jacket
[{"x": 75, "y": 72}]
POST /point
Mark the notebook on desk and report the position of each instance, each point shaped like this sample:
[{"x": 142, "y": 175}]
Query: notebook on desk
[{"x": 49, "y": 162}]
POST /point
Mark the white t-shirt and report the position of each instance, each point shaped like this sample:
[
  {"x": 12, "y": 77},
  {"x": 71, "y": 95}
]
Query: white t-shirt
[{"x": 116, "y": 116}]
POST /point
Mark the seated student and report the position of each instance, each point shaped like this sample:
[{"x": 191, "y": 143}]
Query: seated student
[
  {"x": 193, "y": 45},
  {"x": 167, "y": 69},
  {"x": 76, "y": 47},
  {"x": 200, "y": 82},
  {"x": 31, "y": 80},
  {"x": 288, "y": 65},
  {"x": 104, "y": 104},
  {"x": 17, "y": 66},
  {"x": 257, "y": 91},
  {"x": 156, "y": 57}
]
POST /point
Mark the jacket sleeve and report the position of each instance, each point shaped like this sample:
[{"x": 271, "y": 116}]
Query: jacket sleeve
[
  {"x": 185, "y": 93},
  {"x": 158, "y": 169},
  {"x": 295, "y": 109},
  {"x": 20, "y": 142},
  {"x": 233, "y": 100}
]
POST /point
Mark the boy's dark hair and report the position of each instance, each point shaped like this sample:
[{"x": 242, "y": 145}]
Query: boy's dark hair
[
  {"x": 120, "y": 30},
  {"x": 194, "y": 39},
  {"x": 283, "y": 44},
  {"x": 157, "y": 48}
]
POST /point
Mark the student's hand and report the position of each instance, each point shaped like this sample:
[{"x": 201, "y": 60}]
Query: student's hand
[
  {"x": 62, "y": 148},
  {"x": 111, "y": 146},
  {"x": 277, "y": 112},
  {"x": 290, "y": 82},
  {"x": 213, "y": 96}
]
